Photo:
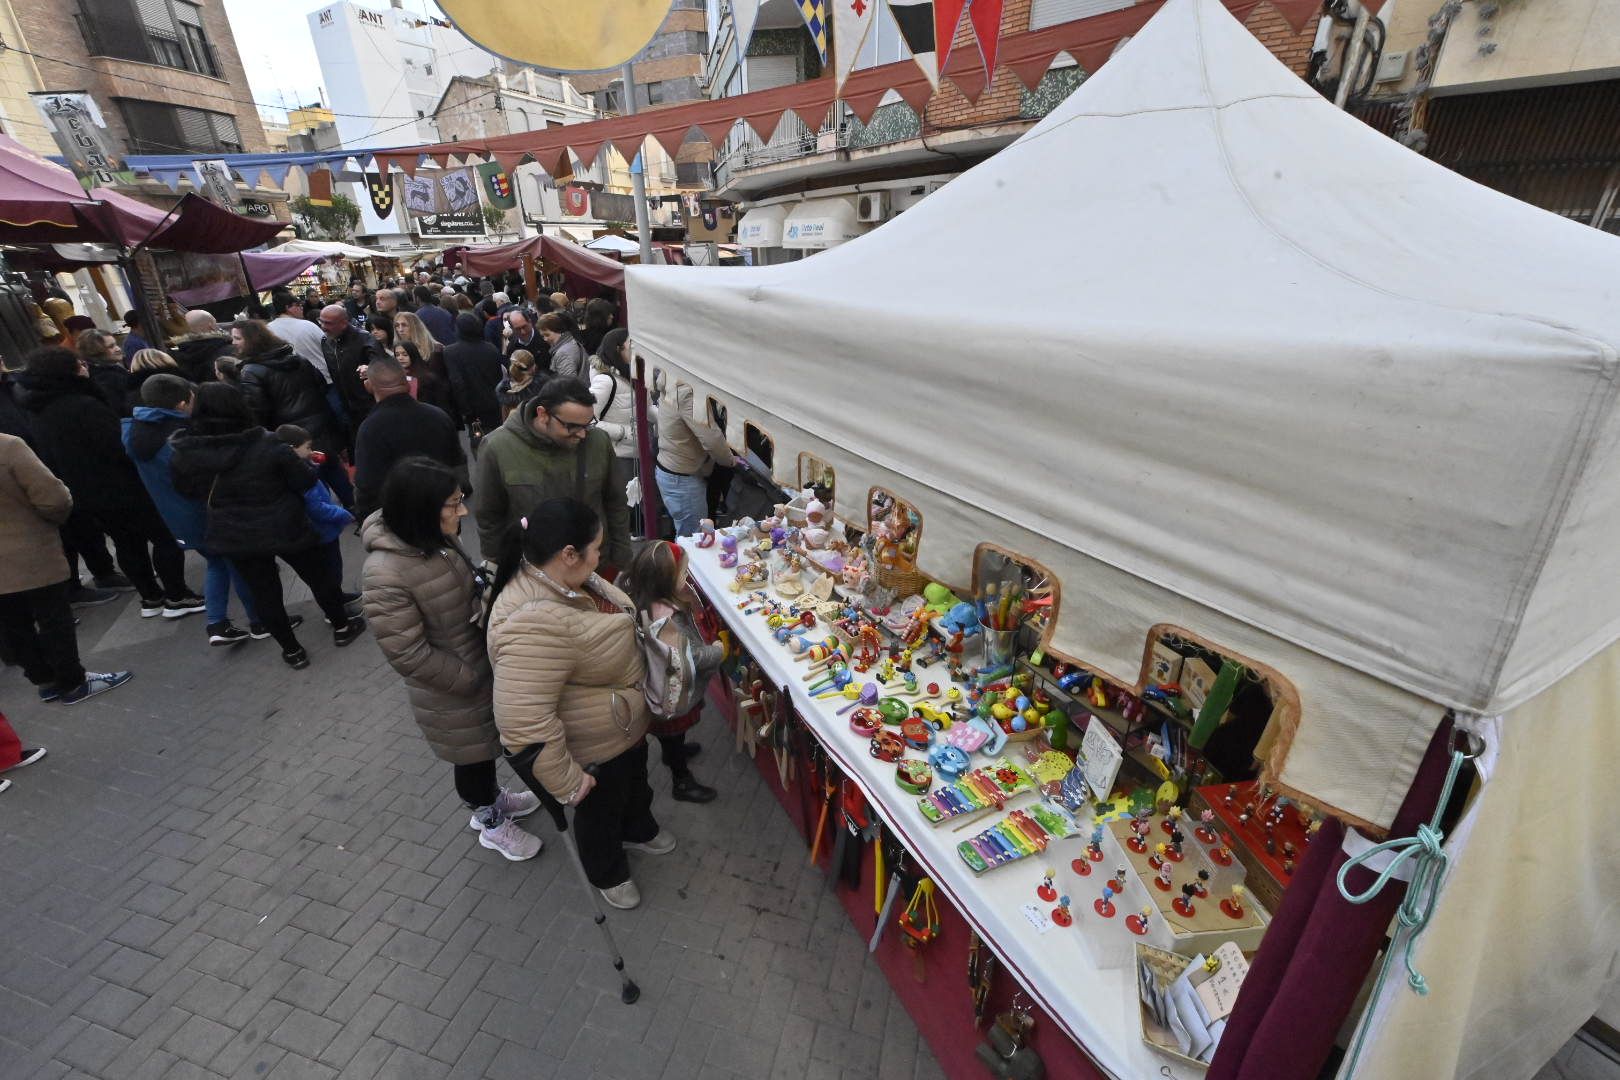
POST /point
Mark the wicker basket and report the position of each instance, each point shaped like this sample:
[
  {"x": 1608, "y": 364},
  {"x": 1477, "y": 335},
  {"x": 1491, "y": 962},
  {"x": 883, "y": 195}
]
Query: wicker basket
[
  {"x": 905, "y": 581},
  {"x": 1167, "y": 968}
]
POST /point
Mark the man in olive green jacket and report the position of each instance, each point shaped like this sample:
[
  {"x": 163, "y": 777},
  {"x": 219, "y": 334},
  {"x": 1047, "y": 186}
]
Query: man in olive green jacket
[{"x": 549, "y": 448}]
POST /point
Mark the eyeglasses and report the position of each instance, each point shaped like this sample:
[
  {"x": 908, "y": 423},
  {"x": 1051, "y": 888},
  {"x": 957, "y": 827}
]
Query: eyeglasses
[{"x": 577, "y": 429}]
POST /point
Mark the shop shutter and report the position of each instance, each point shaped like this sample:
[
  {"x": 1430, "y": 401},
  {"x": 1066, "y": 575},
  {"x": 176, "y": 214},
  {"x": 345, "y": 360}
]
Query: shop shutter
[
  {"x": 190, "y": 14},
  {"x": 195, "y": 131},
  {"x": 155, "y": 16},
  {"x": 766, "y": 72},
  {"x": 1044, "y": 13}
]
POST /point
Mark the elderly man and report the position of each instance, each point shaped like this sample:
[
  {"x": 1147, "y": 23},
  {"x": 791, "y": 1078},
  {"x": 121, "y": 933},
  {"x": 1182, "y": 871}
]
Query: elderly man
[
  {"x": 304, "y": 336},
  {"x": 197, "y": 349},
  {"x": 525, "y": 336},
  {"x": 347, "y": 350},
  {"x": 499, "y": 306},
  {"x": 384, "y": 306}
]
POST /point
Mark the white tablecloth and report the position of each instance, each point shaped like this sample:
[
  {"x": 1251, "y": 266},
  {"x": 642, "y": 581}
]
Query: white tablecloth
[{"x": 1097, "y": 1007}]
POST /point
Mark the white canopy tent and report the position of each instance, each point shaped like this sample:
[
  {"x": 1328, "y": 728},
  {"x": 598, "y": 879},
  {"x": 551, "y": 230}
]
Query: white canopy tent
[
  {"x": 615, "y": 245},
  {"x": 1286, "y": 385},
  {"x": 329, "y": 248}
]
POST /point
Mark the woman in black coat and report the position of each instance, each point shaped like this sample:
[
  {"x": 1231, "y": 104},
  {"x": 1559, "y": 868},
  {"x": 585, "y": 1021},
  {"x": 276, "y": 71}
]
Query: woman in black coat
[
  {"x": 281, "y": 387},
  {"x": 253, "y": 485}
]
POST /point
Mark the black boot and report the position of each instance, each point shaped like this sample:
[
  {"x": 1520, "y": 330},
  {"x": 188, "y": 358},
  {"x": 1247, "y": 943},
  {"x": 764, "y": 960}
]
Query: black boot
[{"x": 687, "y": 789}]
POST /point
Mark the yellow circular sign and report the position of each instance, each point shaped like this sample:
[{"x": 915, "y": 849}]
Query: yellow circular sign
[{"x": 564, "y": 35}]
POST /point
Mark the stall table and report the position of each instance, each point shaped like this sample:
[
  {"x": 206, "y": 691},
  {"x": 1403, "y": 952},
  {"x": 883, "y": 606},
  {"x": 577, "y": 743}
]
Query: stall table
[{"x": 1096, "y": 1007}]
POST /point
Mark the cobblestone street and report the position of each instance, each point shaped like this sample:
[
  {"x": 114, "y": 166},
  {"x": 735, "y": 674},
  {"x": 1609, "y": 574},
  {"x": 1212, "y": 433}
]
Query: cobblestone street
[{"x": 227, "y": 868}]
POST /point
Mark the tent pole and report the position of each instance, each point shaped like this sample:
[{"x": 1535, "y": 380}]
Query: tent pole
[
  {"x": 649, "y": 475},
  {"x": 150, "y": 326},
  {"x": 530, "y": 286},
  {"x": 638, "y": 177}
]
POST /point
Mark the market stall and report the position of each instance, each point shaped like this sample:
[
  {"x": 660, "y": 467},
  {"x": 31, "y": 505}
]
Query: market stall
[
  {"x": 1294, "y": 411},
  {"x": 586, "y": 272}
]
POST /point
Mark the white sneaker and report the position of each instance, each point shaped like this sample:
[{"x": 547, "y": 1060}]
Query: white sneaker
[
  {"x": 662, "y": 844},
  {"x": 511, "y": 804},
  {"x": 623, "y": 896},
  {"x": 511, "y": 841}
]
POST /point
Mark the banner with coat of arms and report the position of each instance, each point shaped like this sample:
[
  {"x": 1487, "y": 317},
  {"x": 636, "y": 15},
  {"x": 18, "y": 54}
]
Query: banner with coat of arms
[
  {"x": 380, "y": 186},
  {"x": 497, "y": 186}
]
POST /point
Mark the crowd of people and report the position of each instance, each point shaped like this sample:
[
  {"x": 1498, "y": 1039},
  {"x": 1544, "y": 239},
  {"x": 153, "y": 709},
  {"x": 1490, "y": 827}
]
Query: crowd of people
[{"x": 263, "y": 442}]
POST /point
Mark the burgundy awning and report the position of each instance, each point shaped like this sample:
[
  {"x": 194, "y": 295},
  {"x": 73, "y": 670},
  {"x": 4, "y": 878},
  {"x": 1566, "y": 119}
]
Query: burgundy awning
[
  {"x": 194, "y": 224},
  {"x": 574, "y": 261},
  {"x": 43, "y": 203}
]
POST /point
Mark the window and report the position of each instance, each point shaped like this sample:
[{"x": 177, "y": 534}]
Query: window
[
  {"x": 655, "y": 93},
  {"x": 158, "y": 128},
  {"x": 1044, "y": 13}
]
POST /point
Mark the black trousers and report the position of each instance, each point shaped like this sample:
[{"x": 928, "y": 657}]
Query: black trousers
[
  {"x": 617, "y": 811},
  {"x": 37, "y": 627},
  {"x": 83, "y": 539},
  {"x": 264, "y": 581},
  {"x": 133, "y": 533},
  {"x": 476, "y": 784}
]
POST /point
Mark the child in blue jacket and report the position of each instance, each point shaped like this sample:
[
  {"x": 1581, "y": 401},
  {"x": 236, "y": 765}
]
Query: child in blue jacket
[{"x": 325, "y": 512}]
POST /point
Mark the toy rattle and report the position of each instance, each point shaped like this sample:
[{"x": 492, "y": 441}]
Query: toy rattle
[
  {"x": 865, "y": 721},
  {"x": 868, "y": 697}
]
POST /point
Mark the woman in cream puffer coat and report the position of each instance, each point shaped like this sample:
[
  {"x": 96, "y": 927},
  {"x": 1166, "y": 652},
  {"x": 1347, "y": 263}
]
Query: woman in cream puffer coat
[{"x": 568, "y": 689}]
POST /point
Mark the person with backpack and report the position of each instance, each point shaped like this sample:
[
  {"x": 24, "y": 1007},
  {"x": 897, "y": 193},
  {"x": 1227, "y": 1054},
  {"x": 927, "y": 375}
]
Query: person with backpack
[
  {"x": 569, "y": 680},
  {"x": 680, "y": 660}
]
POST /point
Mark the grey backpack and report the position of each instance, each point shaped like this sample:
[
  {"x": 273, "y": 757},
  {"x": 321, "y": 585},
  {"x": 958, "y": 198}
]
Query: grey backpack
[{"x": 672, "y": 685}]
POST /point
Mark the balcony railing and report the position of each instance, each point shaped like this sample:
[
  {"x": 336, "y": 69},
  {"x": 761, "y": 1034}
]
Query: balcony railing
[{"x": 794, "y": 138}]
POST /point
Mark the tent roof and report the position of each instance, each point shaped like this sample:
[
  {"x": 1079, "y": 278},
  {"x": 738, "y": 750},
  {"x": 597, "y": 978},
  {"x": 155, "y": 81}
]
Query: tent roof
[
  {"x": 571, "y": 258},
  {"x": 1279, "y": 366},
  {"x": 617, "y": 244},
  {"x": 194, "y": 224},
  {"x": 328, "y": 248},
  {"x": 41, "y": 202}
]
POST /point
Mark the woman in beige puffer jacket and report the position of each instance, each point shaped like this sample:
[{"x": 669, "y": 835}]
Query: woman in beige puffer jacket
[
  {"x": 421, "y": 596},
  {"x": 568, "y": 681}
]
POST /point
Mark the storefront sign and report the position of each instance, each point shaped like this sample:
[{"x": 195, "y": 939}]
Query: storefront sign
[
  {"x": 460, "y": 223},
  {"x": 214, "y": 183},
  {"x": 75, "y": 122},
  {"x": 255, "y": 208}
]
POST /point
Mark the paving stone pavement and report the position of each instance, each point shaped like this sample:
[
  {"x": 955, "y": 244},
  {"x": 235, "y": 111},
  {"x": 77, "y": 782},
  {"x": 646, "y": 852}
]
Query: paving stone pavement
[{"x": 230, "y": 869}]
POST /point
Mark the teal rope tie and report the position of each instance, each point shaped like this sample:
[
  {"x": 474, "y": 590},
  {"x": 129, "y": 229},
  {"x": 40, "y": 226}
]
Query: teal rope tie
[{"x": 1428, "y": 861}]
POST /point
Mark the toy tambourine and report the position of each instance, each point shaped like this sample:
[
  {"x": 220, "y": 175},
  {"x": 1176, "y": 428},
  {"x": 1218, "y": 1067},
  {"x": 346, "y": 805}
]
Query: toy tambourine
[
  {"x": 887, "y": 746},
  {"x": 894, "y": 710},
  {"x": 917, "y": 733},
  {"x": 914, "y": 776},
  {"x": 865, "y": 721}
]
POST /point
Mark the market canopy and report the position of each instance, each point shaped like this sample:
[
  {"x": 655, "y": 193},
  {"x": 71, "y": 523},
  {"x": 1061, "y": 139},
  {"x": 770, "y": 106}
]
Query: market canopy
[
  {"x": 572, "y": 259},
  {"x": 1289, "y": 386},
  {"x": 327, "y": 249},
  {"x": 41, "y": 202},
  {"x": 193, "y": 224}
]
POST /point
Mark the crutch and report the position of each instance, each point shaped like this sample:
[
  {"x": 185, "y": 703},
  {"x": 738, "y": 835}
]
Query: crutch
[{"x": 522, "y": 763}]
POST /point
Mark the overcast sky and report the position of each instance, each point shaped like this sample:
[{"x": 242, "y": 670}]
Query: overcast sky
[{"x": 273, "y": 38}]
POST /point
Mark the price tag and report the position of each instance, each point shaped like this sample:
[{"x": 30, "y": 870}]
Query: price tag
[
  {"x": 1102, "y": 756},
  {"x": 1219, "y": 992},
  {"x": 1037, "y": 918}
]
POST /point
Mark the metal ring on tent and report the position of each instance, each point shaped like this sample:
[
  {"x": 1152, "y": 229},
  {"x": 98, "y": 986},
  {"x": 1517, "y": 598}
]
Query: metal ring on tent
[{"x": 1472, "y": 744}]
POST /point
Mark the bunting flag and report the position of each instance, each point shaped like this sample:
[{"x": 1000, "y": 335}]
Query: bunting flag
[
  {"x": 459, "y": 191},
  {"x": 947, "y": 16},
  {"x": 852, "y": 22},
  {"x": 915, "y": 19},
  {"x": 320, "y": 186},
  {"x": 744, "y": 14},
  {"x": 380, "y": 186},
  {"x": 497, "y": 186},
  {"x": 985, "y": 15},
  {"x": 815, "y": 19},
  {"x": 421, "y": 195}
]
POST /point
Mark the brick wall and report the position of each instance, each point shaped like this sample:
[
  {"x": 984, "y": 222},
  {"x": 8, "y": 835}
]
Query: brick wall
[
  {"x": 49, "y": 31},
  {"x": 999, "y": 103}
]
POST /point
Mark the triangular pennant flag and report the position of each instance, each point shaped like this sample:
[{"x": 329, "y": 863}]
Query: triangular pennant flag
[
  {"x": 170, "y": 177},
  {"x": 380, "y": 187},
  {"x": 1031, "y": 70},
  {"x": 765, "y": 122},
  {"x": 851, "y": 22},
  {"x": 671, "y": 138},
  {"x": 985, "y": 15},
  {"x": 1093, "y": 55},
  {"x": 744, "y": 13},
  {"x": 968, "y": 76},
  {"x": 717, "y": 131},
  {"x": 587, "y": 152},
  {"x": 947, "y": 16},
  {"x": 865, "y": 102},
  {"x": 277, "y": 175},
  {"x": 916, "y": 94},
  {"x": 509, "y": 161},
  {"x": 814, "y": 13},
  {"x": 915, "y": 20}
]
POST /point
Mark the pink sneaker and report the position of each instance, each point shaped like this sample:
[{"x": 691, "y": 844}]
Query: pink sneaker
[
  {"x": 511, "y": 804},
  {"x": 511, "y": 841}
]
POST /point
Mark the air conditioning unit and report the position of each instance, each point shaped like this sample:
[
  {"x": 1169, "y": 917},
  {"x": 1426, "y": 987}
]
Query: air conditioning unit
[{"x": 872, "y": 206}]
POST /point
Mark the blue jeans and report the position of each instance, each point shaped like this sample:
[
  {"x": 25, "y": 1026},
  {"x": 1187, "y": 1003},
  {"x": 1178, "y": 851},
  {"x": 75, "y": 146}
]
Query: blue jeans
[
  {"x": 686, "y": 498},
  {"x": 217, "y": 584}
]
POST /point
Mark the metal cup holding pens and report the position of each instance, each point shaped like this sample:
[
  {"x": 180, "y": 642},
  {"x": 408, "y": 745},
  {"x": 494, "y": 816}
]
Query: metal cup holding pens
[{"x": 999, "y": 645}]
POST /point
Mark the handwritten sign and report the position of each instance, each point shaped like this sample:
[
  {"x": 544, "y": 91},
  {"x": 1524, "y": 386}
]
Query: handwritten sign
[{"x": 1102, "y": 756}]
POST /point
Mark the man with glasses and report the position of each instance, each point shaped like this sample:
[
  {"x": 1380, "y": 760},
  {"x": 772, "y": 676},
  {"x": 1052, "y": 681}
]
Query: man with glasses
[{"x": 549, "y": 448}]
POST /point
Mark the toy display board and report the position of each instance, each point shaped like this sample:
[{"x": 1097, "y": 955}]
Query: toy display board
[
  {"x": 1195, "y": 923},
  {"x": 1270, "y": 833},
  {"x": 1095, "y": 1006}
]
